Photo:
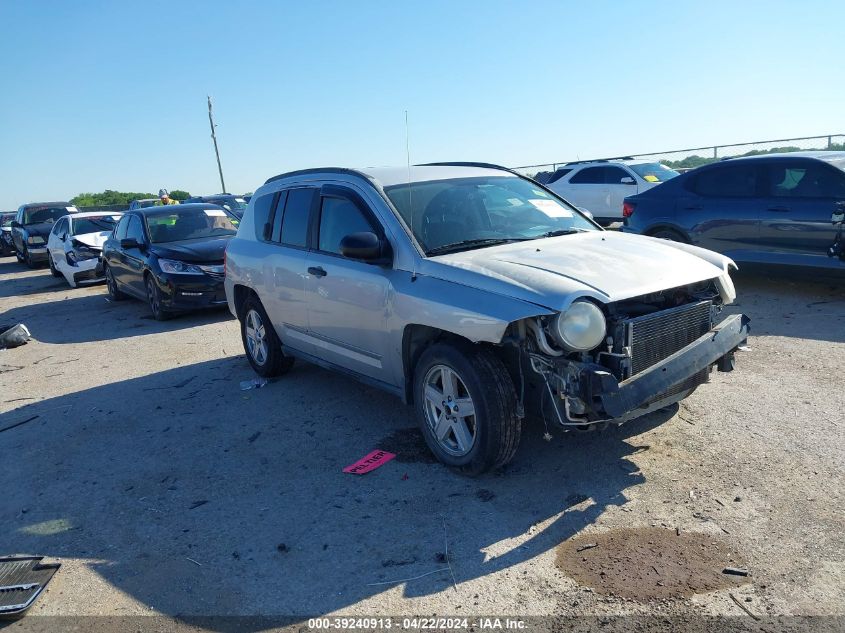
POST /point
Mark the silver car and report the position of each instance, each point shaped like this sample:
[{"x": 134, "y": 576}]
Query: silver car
[{"x": 477, "y": 296}]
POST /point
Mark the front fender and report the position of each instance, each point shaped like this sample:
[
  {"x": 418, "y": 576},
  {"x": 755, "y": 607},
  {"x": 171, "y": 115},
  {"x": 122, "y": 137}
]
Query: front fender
[
  {"x": 724, "y": 282},
  {"x": 476, "y": 315}
]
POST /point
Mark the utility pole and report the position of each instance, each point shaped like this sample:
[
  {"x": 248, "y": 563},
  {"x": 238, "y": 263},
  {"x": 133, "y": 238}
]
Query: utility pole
[{"x": 216, "y": 151}]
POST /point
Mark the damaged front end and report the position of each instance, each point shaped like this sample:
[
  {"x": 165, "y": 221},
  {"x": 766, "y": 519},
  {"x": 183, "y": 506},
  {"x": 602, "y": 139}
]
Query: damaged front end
[{"x": 655, "y": 350}]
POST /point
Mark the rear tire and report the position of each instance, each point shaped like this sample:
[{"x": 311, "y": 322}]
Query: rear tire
[
  {"x": 111, "y": 285},
  {"x": 154, "y": 300},
  {"x": 261, "y": 343},
  {"x": 449, "y": 381},
  {"x": 669, "y": 234}
]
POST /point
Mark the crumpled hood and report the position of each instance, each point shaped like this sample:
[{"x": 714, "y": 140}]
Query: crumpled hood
[
  {"x": 94, "y": 240},
  {"x": 207, "y": 250},
  {"x": 606, "y": 265}
]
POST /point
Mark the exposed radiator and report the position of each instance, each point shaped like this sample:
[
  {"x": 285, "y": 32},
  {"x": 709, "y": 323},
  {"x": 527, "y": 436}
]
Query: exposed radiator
[{"x": 656, "y": 336}]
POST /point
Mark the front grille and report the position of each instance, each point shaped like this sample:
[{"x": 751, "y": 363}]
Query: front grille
[{"x": 656, "y": 336}]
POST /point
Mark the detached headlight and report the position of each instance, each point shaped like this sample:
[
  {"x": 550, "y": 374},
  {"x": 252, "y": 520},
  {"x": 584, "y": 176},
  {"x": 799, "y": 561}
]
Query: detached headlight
[
  {"x": 178, "y": 268},
  {"x": 35, "y": 239},
  {"x": 581, "y": 328}
]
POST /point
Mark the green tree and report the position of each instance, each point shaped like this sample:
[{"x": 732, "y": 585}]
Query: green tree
[{"x": 178, "y": 194}]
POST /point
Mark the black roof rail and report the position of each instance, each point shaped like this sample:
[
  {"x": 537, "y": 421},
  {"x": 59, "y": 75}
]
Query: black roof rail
[
  {"x": 469, "y": 164},
  {"x": 598, "y": 160},
  {"x": 317, "y": 170}
]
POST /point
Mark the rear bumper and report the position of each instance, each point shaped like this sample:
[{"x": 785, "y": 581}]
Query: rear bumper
[{"x": 610, "y": 399}]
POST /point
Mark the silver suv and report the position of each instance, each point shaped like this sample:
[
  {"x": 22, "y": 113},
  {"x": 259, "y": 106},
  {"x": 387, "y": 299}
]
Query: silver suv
[{"x": 477, "y": 296}]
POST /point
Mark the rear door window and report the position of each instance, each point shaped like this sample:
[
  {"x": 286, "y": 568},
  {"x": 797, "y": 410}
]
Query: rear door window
[
  {"x": 728, "y": 181},
  {"x": 805, "y": 180},
  {"x": 294, "y": 229},
  {"x": 589, "y": 176}
]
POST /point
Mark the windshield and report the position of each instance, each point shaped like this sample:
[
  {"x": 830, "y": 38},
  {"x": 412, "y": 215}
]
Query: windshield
[
  {"x": 176, "y": 225},
  {"x": 81, "y": 226},
  {"x": 235, "y": 205},
  {"x": 37, "y": 215},
  {"x": 482, "y": 210},
  {"x": 653, "y": 172}
]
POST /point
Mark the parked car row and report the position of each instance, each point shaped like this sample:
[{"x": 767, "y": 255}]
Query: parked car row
[
  {"x": 772, "y": 209},
  {"x": 476, "y": 295}
]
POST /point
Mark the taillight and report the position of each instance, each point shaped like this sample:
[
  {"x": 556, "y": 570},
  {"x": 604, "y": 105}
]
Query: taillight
[{"x": 628, "y": 209}]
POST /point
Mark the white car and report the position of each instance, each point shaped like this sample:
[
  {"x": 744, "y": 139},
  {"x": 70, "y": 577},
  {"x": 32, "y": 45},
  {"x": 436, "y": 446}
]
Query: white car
[
  {"x": 76, "y": 244},
  {"x": 600, "y": 186}
]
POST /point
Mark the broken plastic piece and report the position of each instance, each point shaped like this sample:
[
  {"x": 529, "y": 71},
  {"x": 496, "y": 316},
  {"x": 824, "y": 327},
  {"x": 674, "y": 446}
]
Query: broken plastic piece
[
  {"x": 14, "y": 336},
  {"x": 369, "y": 462},
  {"x": 255, "y": 383}
]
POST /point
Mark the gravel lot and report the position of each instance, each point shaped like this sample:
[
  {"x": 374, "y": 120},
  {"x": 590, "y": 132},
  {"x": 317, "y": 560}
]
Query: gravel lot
[{"x": 162, "y": 488}]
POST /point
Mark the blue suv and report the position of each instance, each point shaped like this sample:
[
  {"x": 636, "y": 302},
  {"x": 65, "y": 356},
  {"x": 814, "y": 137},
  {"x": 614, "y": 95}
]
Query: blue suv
[{"x": 768, "y": 209}]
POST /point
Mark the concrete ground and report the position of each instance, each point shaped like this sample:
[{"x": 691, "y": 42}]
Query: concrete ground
[{"x": 163, "y": 488}]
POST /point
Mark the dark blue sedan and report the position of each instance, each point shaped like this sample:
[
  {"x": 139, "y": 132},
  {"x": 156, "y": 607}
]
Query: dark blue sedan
[{"x": 768, "y": 209}]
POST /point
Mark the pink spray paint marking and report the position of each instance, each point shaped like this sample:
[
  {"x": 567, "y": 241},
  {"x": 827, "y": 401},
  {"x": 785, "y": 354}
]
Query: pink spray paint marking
[{"x": 369, "y": 462}]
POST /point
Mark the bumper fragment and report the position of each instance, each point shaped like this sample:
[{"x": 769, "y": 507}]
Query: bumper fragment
[{"x": 615, "y": 399}]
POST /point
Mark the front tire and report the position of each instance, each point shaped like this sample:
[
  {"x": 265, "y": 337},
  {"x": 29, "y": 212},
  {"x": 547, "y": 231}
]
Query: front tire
[
  {"x": 154, "y": 300},
  {"x": 53, "y": 270},
  {"x": 261, "y": 344},
  {"x": 111, "y": 285},
  {"x": 27, "y": 259},
  {"x": 465, "y": 403}
]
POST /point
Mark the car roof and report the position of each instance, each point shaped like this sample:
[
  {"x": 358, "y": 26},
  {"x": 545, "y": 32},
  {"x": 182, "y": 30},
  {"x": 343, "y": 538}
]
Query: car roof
[
  {"x": 191, "y": 206},
  {"x": 30, "y": 205},
  {"x": 94, "y": 214},
  {"x": 390, "y": 176},
  {"x": 817, "y": 154}
]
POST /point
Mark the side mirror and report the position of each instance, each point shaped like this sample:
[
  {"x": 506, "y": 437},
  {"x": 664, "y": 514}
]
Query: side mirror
[
  {"x": 587, "y": 212},
  {"x": 129, "y": 242},
  {"x": 365, "y": 246},
  {"x": 627, "y": 180},
  {"x": 16, "y": 225}
]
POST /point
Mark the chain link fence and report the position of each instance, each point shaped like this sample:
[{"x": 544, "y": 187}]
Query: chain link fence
[{"x": 684, "y": 159}]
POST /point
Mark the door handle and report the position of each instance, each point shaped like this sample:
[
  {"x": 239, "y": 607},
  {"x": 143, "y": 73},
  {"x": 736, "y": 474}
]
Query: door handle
[
  {"x": 317, "y": 271},
  {"x": 781, "y": 209}
]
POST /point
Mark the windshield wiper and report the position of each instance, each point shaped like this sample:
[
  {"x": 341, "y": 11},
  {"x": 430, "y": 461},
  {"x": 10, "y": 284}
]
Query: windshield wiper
[
  {"x": 467, "y": 244},
  {"x": 560, "y": 232}
]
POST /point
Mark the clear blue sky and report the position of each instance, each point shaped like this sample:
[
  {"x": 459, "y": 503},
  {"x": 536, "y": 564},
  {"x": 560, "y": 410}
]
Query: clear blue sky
[{"x": 111, "y": 94}]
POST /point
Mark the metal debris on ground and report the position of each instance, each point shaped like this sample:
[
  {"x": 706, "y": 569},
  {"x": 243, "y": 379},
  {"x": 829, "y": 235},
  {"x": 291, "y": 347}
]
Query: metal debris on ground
[
  {"x": 735, "y": 571},
  {"x": 13, "y": 336},
  {"x": 22, "y": 579},
  {"x": 255, "y": 383},
  {"x": 586, "y": 547}
]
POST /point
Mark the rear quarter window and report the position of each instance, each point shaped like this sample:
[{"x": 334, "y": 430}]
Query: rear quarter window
[{"x": 262, "y": 214}]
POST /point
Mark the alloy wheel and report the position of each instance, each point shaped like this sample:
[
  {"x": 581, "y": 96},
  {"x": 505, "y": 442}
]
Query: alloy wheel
[
  {"x": 256, "y": 337},
  {"x": 449, "y": 410}
]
